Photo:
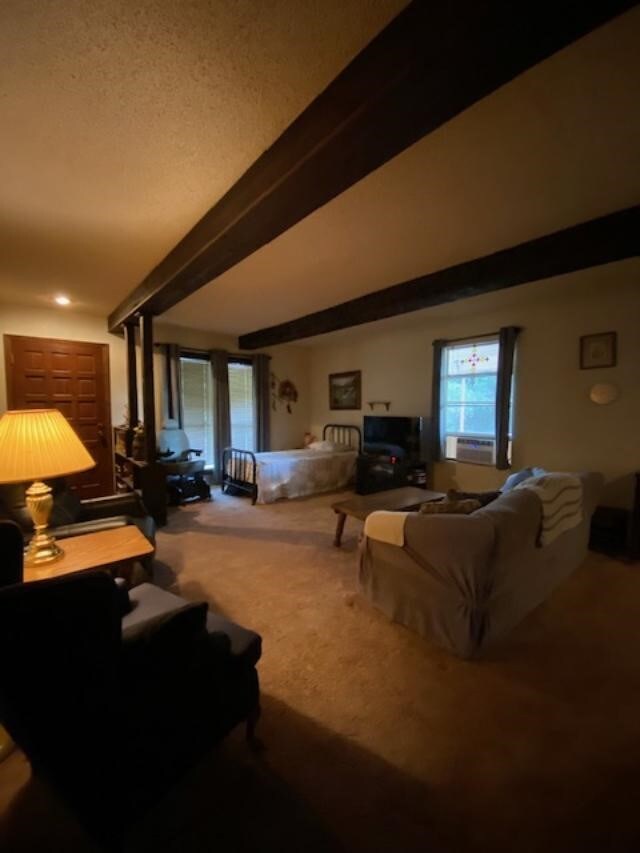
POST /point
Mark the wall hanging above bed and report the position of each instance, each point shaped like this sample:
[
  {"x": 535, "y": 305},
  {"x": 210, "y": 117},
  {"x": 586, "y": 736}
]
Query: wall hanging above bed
[
  {"x": 344, "y": 390},
  {"x": 283, "y": 392}
]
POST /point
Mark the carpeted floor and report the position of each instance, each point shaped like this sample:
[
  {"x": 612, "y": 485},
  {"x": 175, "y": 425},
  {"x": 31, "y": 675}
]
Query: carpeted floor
[{"x": 376, "y": 741}]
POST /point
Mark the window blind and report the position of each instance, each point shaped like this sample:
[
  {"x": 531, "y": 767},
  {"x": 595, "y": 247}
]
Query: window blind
[
  {"x": 242, "y": 405},
  {"x": 197, "y": 405}
]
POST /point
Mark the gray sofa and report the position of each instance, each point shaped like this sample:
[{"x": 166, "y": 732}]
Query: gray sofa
[{"x": 463, "y": 581}]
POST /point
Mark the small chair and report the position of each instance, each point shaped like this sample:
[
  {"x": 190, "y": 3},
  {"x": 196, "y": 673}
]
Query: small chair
[{"x": 185, "y": 475}]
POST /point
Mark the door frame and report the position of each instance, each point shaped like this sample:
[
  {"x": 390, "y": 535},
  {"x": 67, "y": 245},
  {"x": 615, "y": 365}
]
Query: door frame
[{"x": 104, "y": 360}]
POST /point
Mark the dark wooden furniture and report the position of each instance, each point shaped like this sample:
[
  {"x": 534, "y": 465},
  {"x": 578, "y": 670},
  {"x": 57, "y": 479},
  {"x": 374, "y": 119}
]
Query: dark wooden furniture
[
  {"x": 589, "y": 244},
  {"x": 616, "y": 531},
  {"x": 360, "y": 506},
  {"x": 239, "y": 467},
  {"x": 380, "y": 473},
  {"x": 430, "y": 63},
  {"x": 148, "y": 480},
  {"x": 72, "y": 376}
]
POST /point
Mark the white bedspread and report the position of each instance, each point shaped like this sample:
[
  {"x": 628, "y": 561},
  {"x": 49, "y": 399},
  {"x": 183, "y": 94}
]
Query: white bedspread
[{"x": 296, "y": 473}]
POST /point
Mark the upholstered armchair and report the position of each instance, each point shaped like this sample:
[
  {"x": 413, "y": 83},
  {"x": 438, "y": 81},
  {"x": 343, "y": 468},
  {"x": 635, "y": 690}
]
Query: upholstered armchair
[{"x": 113, "y": 695}]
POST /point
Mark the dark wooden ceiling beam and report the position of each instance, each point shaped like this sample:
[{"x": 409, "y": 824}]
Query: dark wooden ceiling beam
[
  {"x": 598, "y": 241},
  {"x": 430, "y": 63}
]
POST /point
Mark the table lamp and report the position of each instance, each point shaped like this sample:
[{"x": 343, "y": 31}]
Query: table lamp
[{"x": 40, "y": 444}]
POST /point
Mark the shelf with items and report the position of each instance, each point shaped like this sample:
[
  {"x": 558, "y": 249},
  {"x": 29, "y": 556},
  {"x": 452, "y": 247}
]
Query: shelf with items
[{"x": 148, "y": 480}]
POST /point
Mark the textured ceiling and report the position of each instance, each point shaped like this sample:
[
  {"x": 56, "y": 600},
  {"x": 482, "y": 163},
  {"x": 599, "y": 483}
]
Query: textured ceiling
[
  {"x": 558, "y": 145},
  {"x": 123, "y": 122}
]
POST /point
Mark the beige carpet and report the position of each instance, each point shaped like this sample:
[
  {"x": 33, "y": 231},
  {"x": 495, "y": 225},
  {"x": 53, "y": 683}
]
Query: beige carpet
[{"x": 376, "y": 741}]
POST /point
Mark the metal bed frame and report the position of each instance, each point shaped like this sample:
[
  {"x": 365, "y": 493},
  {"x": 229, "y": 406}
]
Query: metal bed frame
[{"x": 235, "y": 461}]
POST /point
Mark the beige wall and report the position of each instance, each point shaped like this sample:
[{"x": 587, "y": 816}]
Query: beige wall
[
  {"x": 287, "y": 362},
  {"x": 556, "y": 425}
]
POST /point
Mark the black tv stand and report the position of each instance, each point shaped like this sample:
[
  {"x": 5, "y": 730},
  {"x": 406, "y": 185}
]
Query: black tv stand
[{"x": 379, "y": 473}]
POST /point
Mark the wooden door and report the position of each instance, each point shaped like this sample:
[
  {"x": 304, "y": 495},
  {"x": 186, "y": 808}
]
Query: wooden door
[{"x": 73, "y": 377}]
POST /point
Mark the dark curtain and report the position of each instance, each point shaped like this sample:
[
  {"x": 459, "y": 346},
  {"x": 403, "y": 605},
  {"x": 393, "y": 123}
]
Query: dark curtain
[
  {"x": 435, "y": 440},
  {"x": 262, "y": 397},
  {"x": 173, "y": 384},
  {"x": 221, "y": 407},
  {"x": 508, "y": 337}
]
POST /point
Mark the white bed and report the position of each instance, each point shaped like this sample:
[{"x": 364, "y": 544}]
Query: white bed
[{"x": 267, "y": 477}]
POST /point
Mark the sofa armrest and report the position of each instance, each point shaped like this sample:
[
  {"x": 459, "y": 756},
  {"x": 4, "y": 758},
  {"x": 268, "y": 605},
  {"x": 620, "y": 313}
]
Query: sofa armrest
[
  {"x": 149, "y": 602},
  {"x": 386, "y": 526},
  {"x": 80, "y": 528},
  {"x": 127, "y": 503}
]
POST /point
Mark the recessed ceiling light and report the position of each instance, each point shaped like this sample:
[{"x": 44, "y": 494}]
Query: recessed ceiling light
[{"x": 62, "y": 300}]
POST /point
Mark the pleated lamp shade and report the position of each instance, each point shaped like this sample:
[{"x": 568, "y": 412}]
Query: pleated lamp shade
[{"x": 39, "y": 444}]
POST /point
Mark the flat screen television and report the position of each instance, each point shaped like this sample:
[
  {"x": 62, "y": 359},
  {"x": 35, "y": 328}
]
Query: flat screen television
[{"x": 392, "y": 436}]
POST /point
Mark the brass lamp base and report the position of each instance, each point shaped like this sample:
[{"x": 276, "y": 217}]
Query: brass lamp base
[{"x": 42, "y": 548}]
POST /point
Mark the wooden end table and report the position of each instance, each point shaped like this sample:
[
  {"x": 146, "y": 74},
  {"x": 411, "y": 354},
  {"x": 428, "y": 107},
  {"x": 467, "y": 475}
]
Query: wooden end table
[
  {"x": 115, "y": 550},
  {"x": 360, "y": 506}
]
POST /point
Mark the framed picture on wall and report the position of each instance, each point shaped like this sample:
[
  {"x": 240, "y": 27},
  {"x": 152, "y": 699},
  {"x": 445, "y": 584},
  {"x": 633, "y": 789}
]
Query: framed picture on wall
[
  {"x": 598, "y": 350},
  {"x": 344, "y": 390}
]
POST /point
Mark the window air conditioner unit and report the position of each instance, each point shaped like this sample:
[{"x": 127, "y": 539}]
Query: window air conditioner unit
[{"x": 480, "y": 451}]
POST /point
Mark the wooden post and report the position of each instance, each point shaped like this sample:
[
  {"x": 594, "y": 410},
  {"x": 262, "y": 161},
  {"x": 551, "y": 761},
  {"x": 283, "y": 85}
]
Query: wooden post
[
  {"x": 148, "y": 396},
  {"x": 132, "y": 375}
]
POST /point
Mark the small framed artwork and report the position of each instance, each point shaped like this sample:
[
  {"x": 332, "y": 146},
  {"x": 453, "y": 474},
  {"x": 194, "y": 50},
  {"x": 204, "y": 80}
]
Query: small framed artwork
[
  {"x": 598, "y": 350},
  {"x": 344, "y": 390}
]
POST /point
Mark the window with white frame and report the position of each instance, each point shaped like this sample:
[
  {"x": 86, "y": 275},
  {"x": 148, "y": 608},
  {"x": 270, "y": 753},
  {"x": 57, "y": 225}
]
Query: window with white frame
[
  {"x": 468, "y": 392},
  {"x": 242, "y": 404},
  {"x": 197, "y": 405}
]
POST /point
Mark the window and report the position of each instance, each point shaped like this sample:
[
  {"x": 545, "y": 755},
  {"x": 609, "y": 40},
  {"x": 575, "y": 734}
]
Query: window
[
  {"x": 242, "y": 405},
  {"x": 197, "y": 405},
  {"x": 468, "y": 396}
]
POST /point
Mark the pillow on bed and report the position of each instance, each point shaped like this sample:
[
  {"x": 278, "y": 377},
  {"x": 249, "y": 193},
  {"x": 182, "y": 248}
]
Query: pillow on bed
[
  {"x": 321, "y": 445},
  {"x": 328, "y": 446}
]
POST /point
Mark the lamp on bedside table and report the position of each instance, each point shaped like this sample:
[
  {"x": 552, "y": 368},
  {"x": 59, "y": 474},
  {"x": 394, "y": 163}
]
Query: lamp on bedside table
[{"x": 40, "y": 444}]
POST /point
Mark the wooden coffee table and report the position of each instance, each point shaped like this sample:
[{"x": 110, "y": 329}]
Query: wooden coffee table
[
  {"x": 115, "y": 550},
  {"x": 360, "y": 506}
]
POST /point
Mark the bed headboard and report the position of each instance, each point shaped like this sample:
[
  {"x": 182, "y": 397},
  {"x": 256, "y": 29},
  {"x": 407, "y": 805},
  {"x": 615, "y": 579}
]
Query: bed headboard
[{"x": 343, "y": 434}]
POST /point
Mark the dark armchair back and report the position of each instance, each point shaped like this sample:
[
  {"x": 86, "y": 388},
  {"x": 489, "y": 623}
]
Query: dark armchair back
[
  {"x": 11, "y": 554},
  {"x": 61, "y": 639}
]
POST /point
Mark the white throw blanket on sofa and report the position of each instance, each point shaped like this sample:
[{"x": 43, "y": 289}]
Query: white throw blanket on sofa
[
  {"x": 561, "y": 498},
  {"x": 386, "y": 526}
]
